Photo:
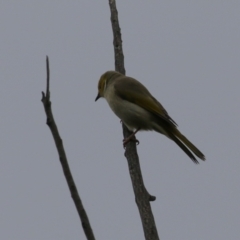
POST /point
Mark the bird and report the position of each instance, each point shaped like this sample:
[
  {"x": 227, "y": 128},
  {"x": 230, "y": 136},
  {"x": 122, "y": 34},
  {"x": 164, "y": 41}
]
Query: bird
[{"x": 131, "y": 101}]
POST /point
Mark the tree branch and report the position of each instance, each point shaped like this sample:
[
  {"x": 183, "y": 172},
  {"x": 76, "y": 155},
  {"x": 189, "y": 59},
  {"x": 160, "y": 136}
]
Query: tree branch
[
  {"x": 142, "y": 196},
  {"x": 63, "y": 159}
]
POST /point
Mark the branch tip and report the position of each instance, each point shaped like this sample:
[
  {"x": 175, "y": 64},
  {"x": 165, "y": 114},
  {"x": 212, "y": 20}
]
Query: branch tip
[{"x": 48, "y": 77}]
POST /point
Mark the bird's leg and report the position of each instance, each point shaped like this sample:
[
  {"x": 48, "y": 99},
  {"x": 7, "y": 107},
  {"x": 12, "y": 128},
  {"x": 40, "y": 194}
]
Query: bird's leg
[{"x": 131, "y": 138}]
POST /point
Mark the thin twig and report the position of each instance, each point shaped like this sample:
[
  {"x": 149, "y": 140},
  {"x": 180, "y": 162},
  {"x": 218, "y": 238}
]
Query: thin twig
[
  {"x": 48, "y": 79},
  {"x": 141, "y": 194},
  {"x": 63, "y": 159}
]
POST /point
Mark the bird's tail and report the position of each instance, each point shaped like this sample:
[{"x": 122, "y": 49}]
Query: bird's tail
[{"x": 185, "y": 145}]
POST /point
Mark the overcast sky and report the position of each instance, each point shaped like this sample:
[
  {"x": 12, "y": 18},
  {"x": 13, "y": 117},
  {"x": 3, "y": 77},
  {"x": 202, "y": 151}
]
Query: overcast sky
[{"x": 187, "y": 53}]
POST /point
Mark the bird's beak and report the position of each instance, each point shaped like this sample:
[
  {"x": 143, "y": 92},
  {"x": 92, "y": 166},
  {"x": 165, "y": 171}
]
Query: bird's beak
[{"x": 98, "y": 96}]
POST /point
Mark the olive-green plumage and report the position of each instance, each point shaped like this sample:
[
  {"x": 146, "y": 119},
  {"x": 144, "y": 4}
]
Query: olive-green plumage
[{"x": 139, "y": 110}]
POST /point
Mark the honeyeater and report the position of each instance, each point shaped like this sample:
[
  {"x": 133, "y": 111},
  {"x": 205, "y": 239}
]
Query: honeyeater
[{"x": 139, "y": 110}]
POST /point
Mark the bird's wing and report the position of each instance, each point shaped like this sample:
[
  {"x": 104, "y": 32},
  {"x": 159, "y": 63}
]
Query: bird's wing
[{"x": 138, "y": 94}]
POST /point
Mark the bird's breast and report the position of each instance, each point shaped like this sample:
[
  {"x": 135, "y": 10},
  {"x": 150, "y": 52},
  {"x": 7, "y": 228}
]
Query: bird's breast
[{"x": 132, "y": 115}]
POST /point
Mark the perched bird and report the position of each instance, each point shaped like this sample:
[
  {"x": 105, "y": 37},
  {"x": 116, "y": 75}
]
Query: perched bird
[{"x": 139, "y": 110}]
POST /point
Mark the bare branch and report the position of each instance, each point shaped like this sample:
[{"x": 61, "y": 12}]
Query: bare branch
[
  {"x": 63, "y": 159},
  {"x": 48, "y": 79},
  {"x": 141, "y": 194}
]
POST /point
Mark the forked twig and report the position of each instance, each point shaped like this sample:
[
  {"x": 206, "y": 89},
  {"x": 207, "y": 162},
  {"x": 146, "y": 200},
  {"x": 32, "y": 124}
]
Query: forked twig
[{"x": 63, "y": 159}]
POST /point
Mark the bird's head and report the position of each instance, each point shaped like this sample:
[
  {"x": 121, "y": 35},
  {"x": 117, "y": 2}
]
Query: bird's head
[{"x": 104, "y": 82}]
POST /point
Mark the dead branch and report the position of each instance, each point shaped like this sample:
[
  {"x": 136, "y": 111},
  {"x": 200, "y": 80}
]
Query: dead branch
[
  {"x": 63, "y": 159},
  {"x": 142, "y": 196}
]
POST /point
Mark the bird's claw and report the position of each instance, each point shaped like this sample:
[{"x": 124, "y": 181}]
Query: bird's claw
[{"x": 132, "y": 139}]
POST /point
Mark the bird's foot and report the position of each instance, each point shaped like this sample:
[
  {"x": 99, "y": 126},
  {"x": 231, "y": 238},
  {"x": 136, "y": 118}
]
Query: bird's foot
[{"x": 131, "y": 138}]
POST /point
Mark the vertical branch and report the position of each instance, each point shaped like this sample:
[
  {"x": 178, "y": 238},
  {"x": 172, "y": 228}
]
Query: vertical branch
[
  {"x": 117, "y": 38},
  {"x": 142, "y": 196},
  {"x": 63, "y": 159}
]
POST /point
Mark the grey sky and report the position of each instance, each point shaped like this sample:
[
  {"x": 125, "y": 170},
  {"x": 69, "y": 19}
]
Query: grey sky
[{"x": 187, "y": 53}]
